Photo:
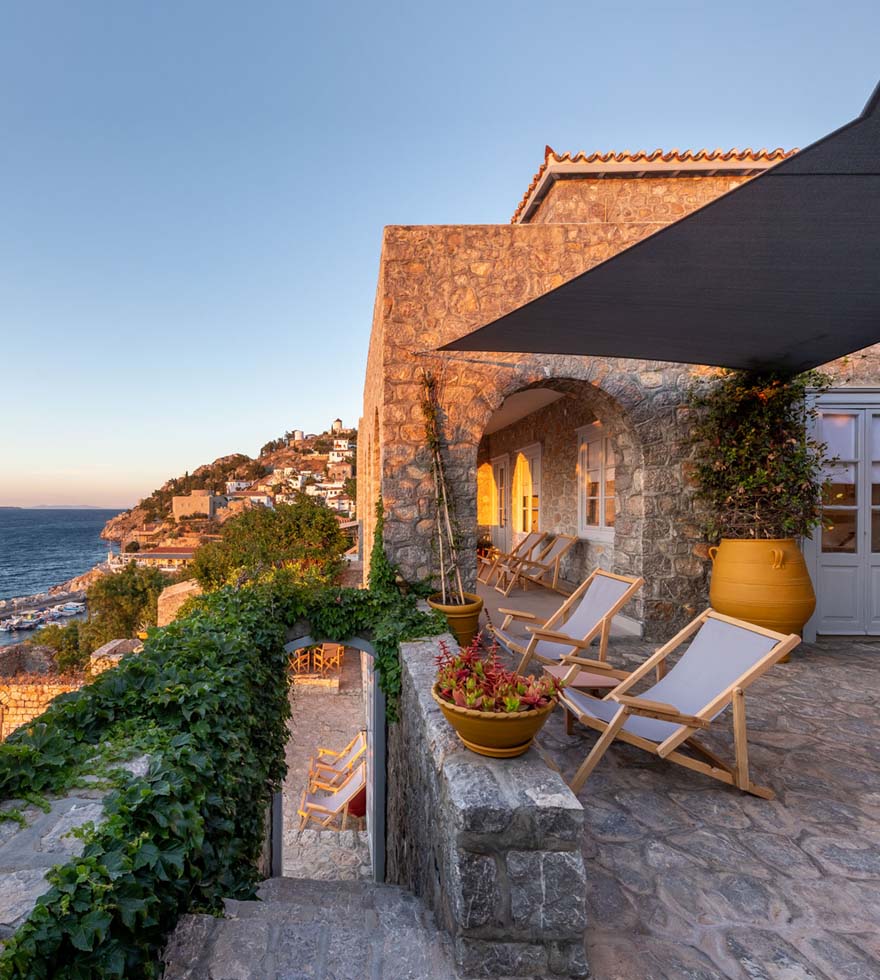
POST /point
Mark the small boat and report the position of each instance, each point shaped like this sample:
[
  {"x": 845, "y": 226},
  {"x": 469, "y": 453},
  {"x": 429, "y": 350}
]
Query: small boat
[
  {"x": 71, "y": 608},
  {"x": 30, "y": 621}
]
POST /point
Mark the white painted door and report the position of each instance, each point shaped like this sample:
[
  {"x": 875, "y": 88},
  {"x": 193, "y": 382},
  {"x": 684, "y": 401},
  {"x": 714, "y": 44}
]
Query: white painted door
[
  {"x": 848, "y": 560},
  {"x": 501, "y": 503}
]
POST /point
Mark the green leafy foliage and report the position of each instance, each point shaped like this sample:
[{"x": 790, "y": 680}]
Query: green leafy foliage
[
  {"x": 121, "y": 605},
  {"x": 64, "y": 640},
  {"x": 304, "y": 535},
  {"x": 470, "y": 678},
  {"x": 207, "y": 698},
  {"x": 757, "y": 466},
  {"x": 213, "y": 690}
]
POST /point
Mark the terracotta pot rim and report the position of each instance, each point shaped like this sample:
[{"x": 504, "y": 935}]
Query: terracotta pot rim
[
  {"x": 493, "y": 715},
  {"x": 436, "y": 603},
  {"x": 756, "y": 540}
]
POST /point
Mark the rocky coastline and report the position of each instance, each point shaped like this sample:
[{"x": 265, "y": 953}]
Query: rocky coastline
[{"x": 73, "y": 590}]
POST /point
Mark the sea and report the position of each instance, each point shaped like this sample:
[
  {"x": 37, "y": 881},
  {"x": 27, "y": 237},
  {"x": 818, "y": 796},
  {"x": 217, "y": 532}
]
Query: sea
[{"x": 42, "y": 547}]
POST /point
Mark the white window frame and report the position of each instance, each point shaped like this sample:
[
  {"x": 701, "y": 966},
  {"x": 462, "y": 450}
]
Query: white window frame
[
  {"x": 593, "y": 434},
  {"x": 532, "y": 453}
]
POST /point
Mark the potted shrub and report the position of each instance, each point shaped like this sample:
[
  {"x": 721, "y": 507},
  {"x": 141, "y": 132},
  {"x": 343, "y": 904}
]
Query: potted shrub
[
  {"x": 461, "y": 609},
  {"x": 494, "y": 711},
  {"x": 760, "y": 473}
]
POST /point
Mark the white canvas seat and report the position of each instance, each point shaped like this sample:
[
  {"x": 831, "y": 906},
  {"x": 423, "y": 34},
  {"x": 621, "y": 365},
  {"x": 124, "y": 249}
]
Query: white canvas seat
[
  {"x": 585, "y": 616},
  {"x": 331, "y": 767},
  {"x": 324, "y": 808},
  {"x": 724, "y": 657}
]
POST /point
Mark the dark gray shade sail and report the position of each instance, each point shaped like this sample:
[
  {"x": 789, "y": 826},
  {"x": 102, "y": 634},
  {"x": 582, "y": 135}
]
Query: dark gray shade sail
[{"x": 782, "y": 273}]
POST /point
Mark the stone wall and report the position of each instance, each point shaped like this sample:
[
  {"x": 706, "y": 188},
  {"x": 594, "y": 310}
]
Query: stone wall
[
  {"x": 492, "y": 846},
  {"x": 109, "y": 655},
  {"x": 172, "y": 598},
  {"x": 439, "y": 283},
  {"x": 26, "y": 696},
  {"x": 622, "y": 200},
  {"x": 30, "y": 848}
]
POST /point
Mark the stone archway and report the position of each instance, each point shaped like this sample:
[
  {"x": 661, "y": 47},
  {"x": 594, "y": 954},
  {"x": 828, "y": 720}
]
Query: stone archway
[
  {"x": 552, "y": 431},
  {"x": 643, "y": 401}
]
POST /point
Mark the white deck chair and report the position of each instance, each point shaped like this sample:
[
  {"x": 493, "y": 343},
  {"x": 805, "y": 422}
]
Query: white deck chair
[
  {"x": 725, "y": 656},
  {"x": 584, "y": 616},
  {"x": 324, "y": 808},
  {"x": 330, "y": 767},
  {"x": 491, "y": 564}
]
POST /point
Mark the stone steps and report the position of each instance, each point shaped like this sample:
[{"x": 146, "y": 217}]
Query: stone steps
[{"x": 327, "y": 930}]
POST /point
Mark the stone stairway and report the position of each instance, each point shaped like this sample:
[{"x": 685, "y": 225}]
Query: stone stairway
[{"x": 326, "y": 930}]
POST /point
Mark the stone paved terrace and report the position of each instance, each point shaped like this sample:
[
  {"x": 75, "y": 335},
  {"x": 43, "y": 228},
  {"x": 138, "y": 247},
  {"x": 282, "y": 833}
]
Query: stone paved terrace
[{"x": 690, "y": 879}]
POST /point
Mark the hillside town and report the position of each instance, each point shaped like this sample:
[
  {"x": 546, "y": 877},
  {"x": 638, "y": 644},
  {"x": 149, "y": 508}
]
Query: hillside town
[{"x": 166, "y": 537}]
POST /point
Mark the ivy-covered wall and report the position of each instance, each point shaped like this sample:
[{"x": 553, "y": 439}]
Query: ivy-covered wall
[{"x": 207, "y": 701}]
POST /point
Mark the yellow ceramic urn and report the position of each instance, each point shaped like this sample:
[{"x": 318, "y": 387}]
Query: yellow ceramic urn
[{"x": 763, "y": 581}]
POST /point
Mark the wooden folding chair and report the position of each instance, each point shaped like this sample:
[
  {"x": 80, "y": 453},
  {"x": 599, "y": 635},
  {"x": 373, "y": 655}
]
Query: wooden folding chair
[
  {"x": 492, "y": 563},
  {"x": 323, "y": 809},
  {"x": 724, "y": 657},
  {"x": 329, "y": 768},
  {"x": 585, "y": 615},
  {"x": 301, "y": 661},
  {"x": 328, "y": 658},
  {"x": 538, "y": 569}
]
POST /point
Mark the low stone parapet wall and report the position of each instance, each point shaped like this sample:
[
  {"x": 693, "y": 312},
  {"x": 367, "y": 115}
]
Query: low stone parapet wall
[
  {"x": 25, "y": 697},
  {"x": 492, "y": 845}
]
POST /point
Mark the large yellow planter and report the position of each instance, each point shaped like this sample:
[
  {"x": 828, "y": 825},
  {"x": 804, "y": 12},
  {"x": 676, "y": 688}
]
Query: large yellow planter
[
  {"x": 765, "y": 582},
  {"x": 500, "y": 735},
  {"x": 464, "y": 620}
]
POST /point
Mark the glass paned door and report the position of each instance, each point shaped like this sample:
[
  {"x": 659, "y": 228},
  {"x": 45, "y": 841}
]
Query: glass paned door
[
  {"x": 501, "y": 504},
  {"x": 848, "y": 585}
]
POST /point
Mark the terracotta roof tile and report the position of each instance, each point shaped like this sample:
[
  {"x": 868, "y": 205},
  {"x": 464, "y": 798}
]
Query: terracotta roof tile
[{"x": 654, "y": 157}]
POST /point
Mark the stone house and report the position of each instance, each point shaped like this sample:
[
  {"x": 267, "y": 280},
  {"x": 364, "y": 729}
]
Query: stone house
[{"x": 589, "y": 447}]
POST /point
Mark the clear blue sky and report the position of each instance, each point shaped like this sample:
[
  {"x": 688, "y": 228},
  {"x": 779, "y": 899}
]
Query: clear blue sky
[{"x": 192, "y": 194}]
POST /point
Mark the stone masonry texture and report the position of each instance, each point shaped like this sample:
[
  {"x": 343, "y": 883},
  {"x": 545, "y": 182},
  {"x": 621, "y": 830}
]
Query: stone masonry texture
[
  {"x": 437, "y": 283},
  {"x": 492, "y": 846}
]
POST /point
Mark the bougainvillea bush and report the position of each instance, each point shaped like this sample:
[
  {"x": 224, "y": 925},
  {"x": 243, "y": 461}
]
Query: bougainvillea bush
[
  {"x": 472, "y": 678},
  {"x": 758, "y": 468}
]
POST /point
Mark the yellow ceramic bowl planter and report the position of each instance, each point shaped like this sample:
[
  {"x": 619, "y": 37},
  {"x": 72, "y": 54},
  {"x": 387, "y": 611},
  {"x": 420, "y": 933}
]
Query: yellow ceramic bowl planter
[
  {"x": 498, "y": 734},
  {"x": 763, "y": 581}
]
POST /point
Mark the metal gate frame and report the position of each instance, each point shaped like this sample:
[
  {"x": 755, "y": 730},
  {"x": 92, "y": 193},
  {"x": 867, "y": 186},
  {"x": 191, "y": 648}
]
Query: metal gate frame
[{"x": 376, "y": 763}]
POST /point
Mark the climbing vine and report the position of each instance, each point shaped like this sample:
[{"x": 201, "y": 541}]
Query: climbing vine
[{"x": 207, "y": 700}]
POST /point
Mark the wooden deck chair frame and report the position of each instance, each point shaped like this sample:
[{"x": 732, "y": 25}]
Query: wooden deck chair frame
[
  {"x": 525, "y": 548},
  {"x": 524, "y": 569},
  {"x": 551, "y": 629},
  {"x": 301, "y": 661},
  {"x": 709, "y": 764},
  {"x": 323, "y": 813},
  {"x": 327, "y": 768},
  {"x": 328, "y": 657}
]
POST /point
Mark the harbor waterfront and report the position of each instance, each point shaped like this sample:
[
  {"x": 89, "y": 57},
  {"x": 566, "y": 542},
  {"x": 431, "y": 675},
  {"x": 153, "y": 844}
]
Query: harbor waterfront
[{"x": 41, "y": 548}]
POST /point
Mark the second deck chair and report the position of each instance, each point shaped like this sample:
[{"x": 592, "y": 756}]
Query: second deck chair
[
  {"x": 725, "y": 656},
  {"x": 331, "y": 767},
  {"x": 491, "y": 564},
  {"x": 543, "y": 570},
  {"x": 585, "y": 615},
  {"x": 324, "y": 808}
]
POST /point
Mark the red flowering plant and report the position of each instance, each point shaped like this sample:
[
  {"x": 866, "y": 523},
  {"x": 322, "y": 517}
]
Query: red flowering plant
[{"x": 473, "y": 679}]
